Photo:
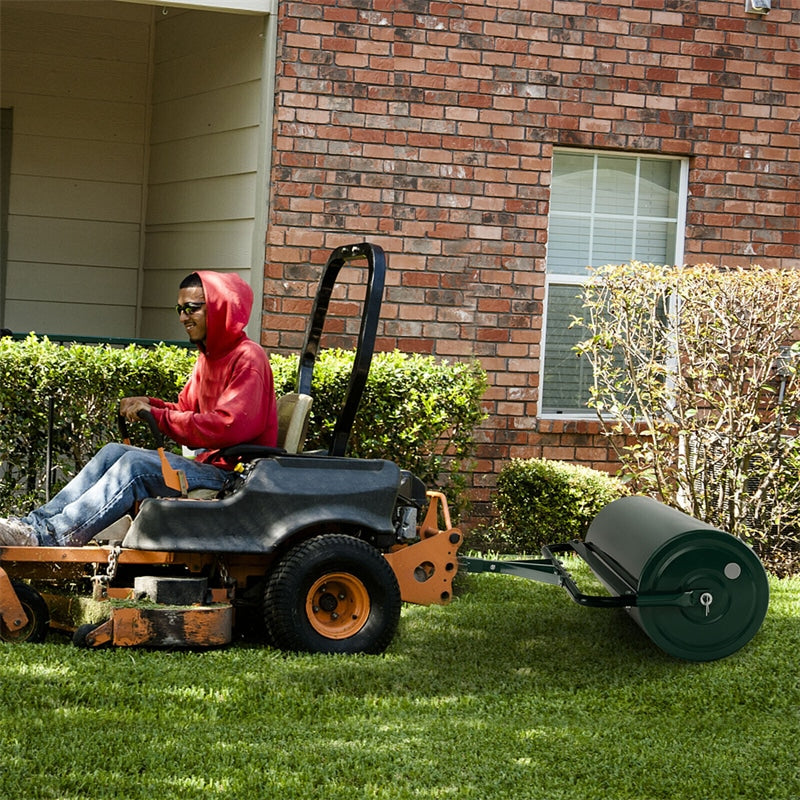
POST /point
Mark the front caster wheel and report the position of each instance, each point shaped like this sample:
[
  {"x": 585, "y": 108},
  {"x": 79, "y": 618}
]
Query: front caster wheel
[
  {"x": 79, "y": 638},
  {"x": 332, "y": 594},
  {"x": 35, "y": 610}
]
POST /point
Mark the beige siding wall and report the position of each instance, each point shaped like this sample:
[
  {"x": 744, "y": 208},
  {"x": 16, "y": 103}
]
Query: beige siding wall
[
  {"x": 76, "y": 76},
  {"x": 204, "y": 143},
  {"x": 136, "y": 139}
]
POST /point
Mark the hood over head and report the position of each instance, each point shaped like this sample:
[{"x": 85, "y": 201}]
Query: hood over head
[{"x": 229, "y": 300}]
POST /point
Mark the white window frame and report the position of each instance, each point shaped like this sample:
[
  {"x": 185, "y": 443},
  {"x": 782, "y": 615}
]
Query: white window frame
[{"x": 563, "y": 279}]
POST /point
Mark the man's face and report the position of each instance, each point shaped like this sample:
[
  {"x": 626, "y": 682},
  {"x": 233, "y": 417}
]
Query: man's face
[{"x": 194, "y": 321}]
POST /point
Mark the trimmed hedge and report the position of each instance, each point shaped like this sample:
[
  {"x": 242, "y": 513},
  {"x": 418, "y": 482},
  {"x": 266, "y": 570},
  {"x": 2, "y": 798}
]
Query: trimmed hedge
[
  {"x": 417, "y": 411},
  {"x": 543, "y": 502},
  {"x": 84, "y": 384}
]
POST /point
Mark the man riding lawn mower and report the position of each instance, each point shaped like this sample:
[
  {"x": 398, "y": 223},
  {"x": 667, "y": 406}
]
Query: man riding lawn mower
[
  {"x": 322, "y": 539},
  {"x": 228, "y": 400}
]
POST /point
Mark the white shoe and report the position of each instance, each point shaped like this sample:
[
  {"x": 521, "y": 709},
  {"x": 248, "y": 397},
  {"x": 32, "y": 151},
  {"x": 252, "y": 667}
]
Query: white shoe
[{"x": 14, "y": 533}]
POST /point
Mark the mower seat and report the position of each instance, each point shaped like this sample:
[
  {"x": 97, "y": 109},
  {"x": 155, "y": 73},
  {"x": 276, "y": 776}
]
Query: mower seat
[{"x": 294, "y": 411}]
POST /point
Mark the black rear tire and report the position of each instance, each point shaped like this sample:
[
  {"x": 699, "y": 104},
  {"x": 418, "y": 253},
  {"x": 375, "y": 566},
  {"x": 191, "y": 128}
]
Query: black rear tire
[
  {"x": 332, "y": 594},
  {"x": 38, "y": 617}
]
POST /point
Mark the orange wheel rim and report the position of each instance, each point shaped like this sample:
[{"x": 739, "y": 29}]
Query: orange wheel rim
[{"x": 337, "y": 605}]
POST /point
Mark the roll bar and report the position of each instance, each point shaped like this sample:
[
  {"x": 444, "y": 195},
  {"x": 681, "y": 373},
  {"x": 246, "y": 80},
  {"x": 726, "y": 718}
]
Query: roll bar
[{"x": 370, "y": 313}]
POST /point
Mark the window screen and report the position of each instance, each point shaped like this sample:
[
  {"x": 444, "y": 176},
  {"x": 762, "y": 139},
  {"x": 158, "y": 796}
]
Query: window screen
[{"x": 604, "y": 209}]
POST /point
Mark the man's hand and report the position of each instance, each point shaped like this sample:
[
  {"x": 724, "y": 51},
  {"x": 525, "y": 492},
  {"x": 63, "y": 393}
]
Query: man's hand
[{"x": 129, "y": 407}]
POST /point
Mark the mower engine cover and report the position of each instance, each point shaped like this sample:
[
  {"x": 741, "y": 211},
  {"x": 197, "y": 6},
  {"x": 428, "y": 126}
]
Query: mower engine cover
[{"x": 278, "y": 497}]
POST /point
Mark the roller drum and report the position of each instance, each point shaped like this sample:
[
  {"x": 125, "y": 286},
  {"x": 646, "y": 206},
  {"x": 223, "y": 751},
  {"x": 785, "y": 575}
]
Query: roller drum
[{"x": 658, "y": 550}]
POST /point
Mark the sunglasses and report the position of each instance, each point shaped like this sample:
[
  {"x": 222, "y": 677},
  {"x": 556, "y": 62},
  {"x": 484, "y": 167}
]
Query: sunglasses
[{"x": 189, "y": 308}]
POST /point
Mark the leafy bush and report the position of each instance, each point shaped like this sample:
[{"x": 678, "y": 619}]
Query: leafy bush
[
  {"x": 416, "y": 411},
  {"x": 696, "y": 382},
  {"x": 779, "y": 548},
  {"x": 543, "y": 502}
]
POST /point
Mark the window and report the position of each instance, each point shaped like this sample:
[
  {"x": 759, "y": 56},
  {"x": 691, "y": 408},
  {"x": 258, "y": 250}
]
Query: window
[{"x": 604, "y": 208}]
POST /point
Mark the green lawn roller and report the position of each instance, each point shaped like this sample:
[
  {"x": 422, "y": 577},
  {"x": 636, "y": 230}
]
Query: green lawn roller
[{"x": 700, "y": 594}]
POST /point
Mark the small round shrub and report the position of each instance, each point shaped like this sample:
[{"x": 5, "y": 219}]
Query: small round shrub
[{"x": 542, "y": 502}]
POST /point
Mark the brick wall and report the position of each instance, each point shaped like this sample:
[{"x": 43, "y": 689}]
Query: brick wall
[{"x": 428, "y": 127}]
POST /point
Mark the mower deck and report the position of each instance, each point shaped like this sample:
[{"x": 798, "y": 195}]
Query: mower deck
[{"x": 424, "y": 572}]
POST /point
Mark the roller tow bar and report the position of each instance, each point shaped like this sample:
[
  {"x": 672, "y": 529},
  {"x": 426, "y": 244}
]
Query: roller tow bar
[{"x": 699, "y": 593}]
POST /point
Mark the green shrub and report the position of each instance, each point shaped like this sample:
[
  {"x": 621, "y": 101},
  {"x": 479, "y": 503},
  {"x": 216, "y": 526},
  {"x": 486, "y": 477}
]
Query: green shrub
[
  {"x": 416, "y": 411},
  {"x": 696, "y": 383},
  {"x": 778, "y": 544},
  {"x": 83, "y": 384},
  {"x": 543, "y": 502}
]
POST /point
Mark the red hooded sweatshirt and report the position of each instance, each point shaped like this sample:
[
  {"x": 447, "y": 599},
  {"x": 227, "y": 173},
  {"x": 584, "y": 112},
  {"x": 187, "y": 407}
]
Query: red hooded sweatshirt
[{"x": 230, "y": 397}]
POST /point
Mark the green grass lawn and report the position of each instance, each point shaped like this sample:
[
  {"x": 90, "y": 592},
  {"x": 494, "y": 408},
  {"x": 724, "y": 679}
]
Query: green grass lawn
[{"x": 511, "y": 692}]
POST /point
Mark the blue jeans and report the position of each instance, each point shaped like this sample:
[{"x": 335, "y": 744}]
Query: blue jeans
[{"x": 107, "y": 488}]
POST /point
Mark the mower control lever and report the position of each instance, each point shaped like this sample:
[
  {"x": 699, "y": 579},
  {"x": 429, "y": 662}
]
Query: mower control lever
[
  {"x": 147, "y": 417},
  {"x": 174, "y": 478}
]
